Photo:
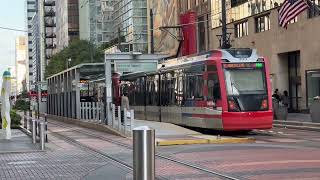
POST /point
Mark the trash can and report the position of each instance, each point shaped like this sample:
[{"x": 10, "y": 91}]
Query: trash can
[{"x": 314, "y": 110}]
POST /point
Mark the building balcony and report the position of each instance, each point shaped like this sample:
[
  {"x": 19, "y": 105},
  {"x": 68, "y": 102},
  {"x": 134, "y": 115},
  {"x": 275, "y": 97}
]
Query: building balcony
[
  {"x": 48, "y": 56},
  {"x": 50, "y": 24},
  {"x": 50, "y": 13},
  {"x": 50, "y": 35},
  {"x": 50, "y": 46},
  {"x": 49, "y": 3}
]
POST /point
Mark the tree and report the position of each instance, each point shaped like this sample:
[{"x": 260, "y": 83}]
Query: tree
[{"x": 80, "y": 51}]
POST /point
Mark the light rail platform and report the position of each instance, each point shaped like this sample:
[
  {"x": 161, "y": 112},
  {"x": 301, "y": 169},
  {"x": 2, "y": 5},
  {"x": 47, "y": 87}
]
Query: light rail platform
[{"x": 168, "y": 134}]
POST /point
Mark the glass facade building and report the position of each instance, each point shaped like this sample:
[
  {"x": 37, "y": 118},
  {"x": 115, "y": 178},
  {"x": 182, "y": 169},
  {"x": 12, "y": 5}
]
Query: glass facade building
[
  {"x": 96, "y": 20},
  {"x": 240, "y": 9},
  {"x": 130, "y": 18}
]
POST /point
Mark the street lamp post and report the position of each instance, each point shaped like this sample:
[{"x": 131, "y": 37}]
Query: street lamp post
[{"x": 68, "y": 62}]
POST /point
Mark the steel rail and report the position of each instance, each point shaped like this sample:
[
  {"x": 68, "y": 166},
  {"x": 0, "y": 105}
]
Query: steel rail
[{"x": 157, "y": 154}]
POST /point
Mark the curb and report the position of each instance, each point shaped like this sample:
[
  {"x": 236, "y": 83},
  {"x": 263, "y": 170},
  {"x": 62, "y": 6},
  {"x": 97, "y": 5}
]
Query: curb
[
  {"x": 301, "y": 127},
  {"x": 297, "y": 123},
  {"x": 90, "y": 125},
  {"x": 204, "y": 141}
]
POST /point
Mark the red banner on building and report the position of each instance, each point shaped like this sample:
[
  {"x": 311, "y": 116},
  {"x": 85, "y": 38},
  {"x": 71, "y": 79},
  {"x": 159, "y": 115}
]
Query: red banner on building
[{"x": 189, "y": 30}]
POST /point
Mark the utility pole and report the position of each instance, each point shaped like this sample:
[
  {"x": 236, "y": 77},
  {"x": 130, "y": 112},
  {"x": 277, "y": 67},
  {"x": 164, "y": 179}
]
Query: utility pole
[
  {"x": 91, "y": 51},
  {"x": 119, "y": 38},
  {"x": 151, "y": 32},
  {"x": 224, "y": 25}
]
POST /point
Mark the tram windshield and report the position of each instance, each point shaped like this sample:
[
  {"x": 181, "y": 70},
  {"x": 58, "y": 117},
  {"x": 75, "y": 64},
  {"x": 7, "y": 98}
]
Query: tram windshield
[
  {"x": 245, "y": 81},
  {"x": 246, "y": 86}
]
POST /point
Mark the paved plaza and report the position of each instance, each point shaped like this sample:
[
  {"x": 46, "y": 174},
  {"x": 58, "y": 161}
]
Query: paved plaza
[{"x": 79, "y": 153}]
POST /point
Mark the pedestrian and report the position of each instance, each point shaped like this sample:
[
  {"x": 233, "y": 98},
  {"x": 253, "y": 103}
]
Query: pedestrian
[
  {"x": 276, "y": 95},
  {"x": 285, "y": 99},
  {"x": 124, "y": 104}
]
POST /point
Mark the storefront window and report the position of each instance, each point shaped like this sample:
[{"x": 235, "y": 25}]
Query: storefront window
[{"x": 313, "y": 85}]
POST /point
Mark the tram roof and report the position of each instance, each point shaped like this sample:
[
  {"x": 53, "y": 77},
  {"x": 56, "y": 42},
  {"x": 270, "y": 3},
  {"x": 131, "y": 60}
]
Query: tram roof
[{"x": 234, "y": 55}]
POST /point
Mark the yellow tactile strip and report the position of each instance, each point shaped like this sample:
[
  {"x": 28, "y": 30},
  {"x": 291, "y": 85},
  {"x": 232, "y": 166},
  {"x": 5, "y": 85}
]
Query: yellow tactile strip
[{"x": 203, "y": 139}]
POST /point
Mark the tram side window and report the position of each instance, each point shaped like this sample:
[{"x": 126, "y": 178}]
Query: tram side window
[
  {"x": 129, "y": 88},
  {"x": 171, "y": 82},
  {"x": 139, "y": 92},
  {"x": 194, "y": 83},
  {"x": 213, "y": 87},
  {"x": 149, "y": 83},
  {"x": 152, "y": 90},
  {"x": 168, "y": 83}
]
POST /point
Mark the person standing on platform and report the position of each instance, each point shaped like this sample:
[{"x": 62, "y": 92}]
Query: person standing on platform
[
  {"x": 124, "y": 104},
  {"x": 276, "y": 95},
  {"x": 285, "y": 99}
]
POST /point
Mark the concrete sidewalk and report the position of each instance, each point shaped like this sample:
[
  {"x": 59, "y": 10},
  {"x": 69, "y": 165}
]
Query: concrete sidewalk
[
  {"x": 19, "y": 143},
  {"x": 298, "y": 121}
]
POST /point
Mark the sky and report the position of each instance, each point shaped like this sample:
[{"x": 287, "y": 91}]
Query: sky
[{"x": 12, "y": 15}]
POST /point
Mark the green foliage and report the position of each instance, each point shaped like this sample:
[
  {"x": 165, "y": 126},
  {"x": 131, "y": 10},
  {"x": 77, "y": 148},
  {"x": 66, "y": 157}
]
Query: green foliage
[
  {"x": 22, "y": 105},
  {"x": 80, "y": 51},
  {"x": 15, "y": 119},
  {"x": 24, "y": 94}
]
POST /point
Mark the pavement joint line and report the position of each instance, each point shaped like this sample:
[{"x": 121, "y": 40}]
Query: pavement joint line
[{"x": 22, "y": 152}]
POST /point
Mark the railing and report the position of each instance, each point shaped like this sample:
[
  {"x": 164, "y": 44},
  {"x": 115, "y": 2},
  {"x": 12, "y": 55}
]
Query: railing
[
  {"x": 121, "y": 121},
  {"x": 92, "y": 111},
  {"x": 37, "y": 128}
]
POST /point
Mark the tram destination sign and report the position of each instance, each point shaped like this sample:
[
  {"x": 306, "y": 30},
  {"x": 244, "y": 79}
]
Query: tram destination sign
[
  {"x": 128, "y": 67},
  {"x": 243, "y": 65}
]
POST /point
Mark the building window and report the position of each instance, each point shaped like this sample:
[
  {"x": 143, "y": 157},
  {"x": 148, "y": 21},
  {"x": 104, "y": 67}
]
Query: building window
[
  {"x": 188, "y": 4},
  {"x": 314, "y": 8},
  {"x": 237, "y": 2},
  {"x": 262, "y": 23},
  {"x": 313, "y": 85},
  {"x": 241, "y": 29}
]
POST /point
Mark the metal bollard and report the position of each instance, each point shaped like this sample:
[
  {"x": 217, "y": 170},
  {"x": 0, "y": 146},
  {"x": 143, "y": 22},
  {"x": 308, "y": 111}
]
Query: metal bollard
[
  {"x": 143, "y": 153},
  {"x": 25, "y": 120},
  {"x": 29, "y": 120},
  {"x": 125, "y": 119},
  {"x": 46, "y": 125},
  {"x": 113, "y": 115},
  {"x": 119, "y": 118},
  {"x": 42, "y": 135},
  {"x": 34, "y": 131},
  {"x": 38, "y": 128},
  {"x": 131, "y": 121}
]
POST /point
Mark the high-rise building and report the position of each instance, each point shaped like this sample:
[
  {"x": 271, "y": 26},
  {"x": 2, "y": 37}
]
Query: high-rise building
[
  {"x": 31, "y": 7},
  {"x": 96, "y": 21},
  {"x": 130, "y": 21},
  {"x": 67, "y": 22},
  {"x": 165, "y": 14},
  {"x": 21, "y": 61}
]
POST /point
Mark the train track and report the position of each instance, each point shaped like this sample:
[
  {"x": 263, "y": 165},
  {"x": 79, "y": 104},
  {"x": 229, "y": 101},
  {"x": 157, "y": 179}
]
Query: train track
[{"x": 123, "y": 145}]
